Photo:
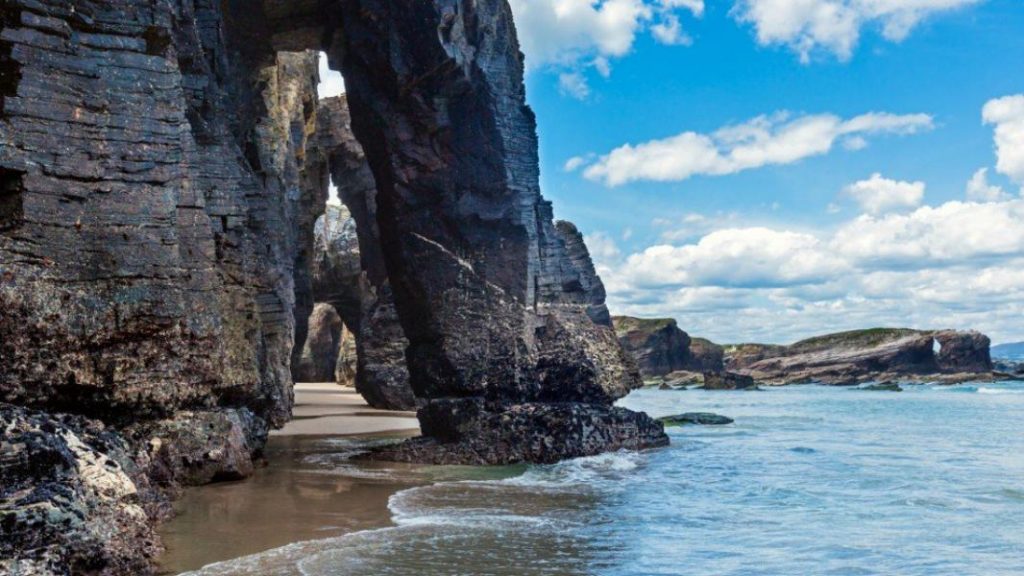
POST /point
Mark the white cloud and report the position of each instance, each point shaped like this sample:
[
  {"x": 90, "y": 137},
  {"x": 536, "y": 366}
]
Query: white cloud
[
  {"x": 979, "y": 189},
  {"x": 670, "y": 32},
  {"x": 763, "y": 141},
  {"x": 574, "y": 84},
  {"x": 936, "y": 267},
  {"x": 808, "y": 26},
  {"x": 331, "y": 82},
  {"x": 1007, "y": 114},
  {"x": 954, "y": 232},
  {"x": 738, "y": 257},
  {"x": 575, "y": 163},
  {"x": 877, "y": 194},
  {"x": 570, "y": 35}
]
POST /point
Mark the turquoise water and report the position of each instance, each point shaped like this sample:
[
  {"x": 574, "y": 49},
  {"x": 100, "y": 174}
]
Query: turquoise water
[{"x": 809, "y": 480}]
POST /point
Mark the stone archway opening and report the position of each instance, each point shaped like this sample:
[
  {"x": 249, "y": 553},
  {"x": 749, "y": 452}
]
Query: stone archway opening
[{"x": 491, "y": 306}]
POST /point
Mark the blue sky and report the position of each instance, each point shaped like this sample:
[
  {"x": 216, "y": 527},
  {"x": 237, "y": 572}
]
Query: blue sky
[{"x": 767, "y": 170}]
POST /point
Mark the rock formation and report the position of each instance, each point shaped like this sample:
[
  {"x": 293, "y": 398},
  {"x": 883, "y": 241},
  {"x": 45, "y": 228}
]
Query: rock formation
[
  {"x": 350, "y": 272},
  {"x": 160, "y": 177},
  {"x": 870, "y": 355},
  {"x": 72, "y": 499},
  {"x": 661, "y": 348},
  {"x": 319, "y": 359},
  {"x": 658, "y": 345}
]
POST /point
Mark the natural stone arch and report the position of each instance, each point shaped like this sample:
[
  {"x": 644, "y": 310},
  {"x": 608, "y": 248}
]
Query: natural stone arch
[{"x": 486, "y": 292}]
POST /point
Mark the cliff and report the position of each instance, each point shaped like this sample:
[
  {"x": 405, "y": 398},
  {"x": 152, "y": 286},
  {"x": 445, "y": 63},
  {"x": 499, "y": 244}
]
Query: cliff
[
  {"x": 661, "y": 348},
  {"x": 161, "y": 172},
  {"x": 869, "y": 355}
]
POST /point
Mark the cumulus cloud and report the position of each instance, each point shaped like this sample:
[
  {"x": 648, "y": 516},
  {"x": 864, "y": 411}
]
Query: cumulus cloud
[
  {"x": 808, "y": 26},
  {"x": 877, "y": 194},
  {"x": 1007, "y": 115},
  {"x": 979, "y": 189},
  {"x": 937, "y": 266},
  {"x": 954, "y": 232},
  {"x": 741, "y": 257},
  {"x": 574, "y": 35},
  {"x": 331, "y": 82},
  {"x": 763, "y": 141},
  {"x": 574, "y": 84}
]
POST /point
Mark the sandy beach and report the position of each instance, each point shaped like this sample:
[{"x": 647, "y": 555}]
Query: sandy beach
[{"x": 299, "y": 494}]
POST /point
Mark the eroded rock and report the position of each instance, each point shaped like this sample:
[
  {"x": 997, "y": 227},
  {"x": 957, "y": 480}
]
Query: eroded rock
[
  {"x": 319, "y": 359},
  {"x": 72, "y": 500}
]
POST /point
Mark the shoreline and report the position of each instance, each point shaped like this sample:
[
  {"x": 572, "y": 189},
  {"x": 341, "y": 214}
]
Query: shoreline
[{"x": 299, "y": 493}]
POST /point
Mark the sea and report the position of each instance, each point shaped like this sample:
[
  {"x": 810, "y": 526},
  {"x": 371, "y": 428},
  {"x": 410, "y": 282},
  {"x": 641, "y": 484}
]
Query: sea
[{"x": 808, "y": 480}]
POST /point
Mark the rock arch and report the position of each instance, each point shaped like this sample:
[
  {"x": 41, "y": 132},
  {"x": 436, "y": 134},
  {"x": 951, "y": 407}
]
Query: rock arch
[{"x": 168, "y": 178}]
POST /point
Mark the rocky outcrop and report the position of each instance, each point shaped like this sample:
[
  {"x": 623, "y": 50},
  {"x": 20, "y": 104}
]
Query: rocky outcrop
[
  {"x": 163, "y": 167},
  {"x": 583, "y": 285},
  {"x": 728, "y": 381},
  {"x": 200, "y": 447},
  {"x": 345, "y": 369},
  {"x": 466, "y": 431},
  {"x": 72, "y": 498},
  {"x": 319, "y": 359},
  {"x": 963, "y": 352},
  {"x": 658, "y": 345},
  {"x": 661, "y": 348},
  {"x": 741, "y": 356},
  {"x": 872, "y": 355}
]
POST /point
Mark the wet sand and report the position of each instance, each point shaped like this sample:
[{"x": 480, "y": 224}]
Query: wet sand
[{"x": 298, "y": 495}]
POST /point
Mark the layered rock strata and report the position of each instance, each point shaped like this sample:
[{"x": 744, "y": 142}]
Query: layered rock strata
[
  {"x": 159, "y": 182},
  {"x": 871, "y": 355},
  {"x": 495, "y": 325}
]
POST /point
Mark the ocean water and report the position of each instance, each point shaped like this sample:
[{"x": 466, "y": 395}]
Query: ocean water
[{"x": 809, "y": 480}]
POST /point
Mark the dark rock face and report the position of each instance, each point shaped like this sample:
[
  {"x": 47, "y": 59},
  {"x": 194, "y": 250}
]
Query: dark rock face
[
  {"x": 478, "y": 271},
  {"x": 583, "y": 285},
  {"x": 351, "y": 272},
  {"x": 728, "y": 381},
  {"x": 162, "y": 190},
  {"x": 196, "y": 448},
  {"x": 963, "y": 351},
  {"x": 72, "y": 499},
  {"x": 319, "y": 359},
  {"x": 658, "y": 345},
  {"x": 698, "y": 418},
  {"x": 872, "y": 355},
  {"x": 159, "y": 183},
  {"x": 705, "y": 356}
]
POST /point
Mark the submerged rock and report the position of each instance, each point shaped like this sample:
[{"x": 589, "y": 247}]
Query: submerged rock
[
  {"x": 701, "y": 418},
  {"x": 882, "y": 387}
]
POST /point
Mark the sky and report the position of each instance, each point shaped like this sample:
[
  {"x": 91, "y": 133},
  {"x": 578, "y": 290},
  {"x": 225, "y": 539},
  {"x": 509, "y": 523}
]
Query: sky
[{"x": 769, "y": 170}]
